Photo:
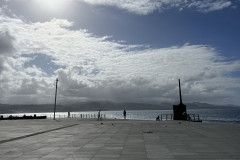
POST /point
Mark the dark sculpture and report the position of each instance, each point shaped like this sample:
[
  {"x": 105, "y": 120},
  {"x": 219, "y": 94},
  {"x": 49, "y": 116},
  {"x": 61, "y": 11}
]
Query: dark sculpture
[{"x": 179, "y": 111}]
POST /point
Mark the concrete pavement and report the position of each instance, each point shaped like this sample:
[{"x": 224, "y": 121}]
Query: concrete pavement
[{"x": 70, "y": 139}]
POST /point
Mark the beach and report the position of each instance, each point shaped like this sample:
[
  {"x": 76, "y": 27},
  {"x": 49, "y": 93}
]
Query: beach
[{"x": 89, "y": 139}]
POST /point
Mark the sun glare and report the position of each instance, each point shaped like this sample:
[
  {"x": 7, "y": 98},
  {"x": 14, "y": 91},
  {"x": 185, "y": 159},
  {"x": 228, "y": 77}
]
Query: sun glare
[{"x": 51, "y": 5}]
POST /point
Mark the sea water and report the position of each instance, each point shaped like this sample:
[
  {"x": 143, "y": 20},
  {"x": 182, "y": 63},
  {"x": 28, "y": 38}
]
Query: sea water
[{"x": 206, "y": 115}]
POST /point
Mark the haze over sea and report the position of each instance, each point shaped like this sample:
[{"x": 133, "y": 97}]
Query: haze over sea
[{"x": 206, "y": 115}]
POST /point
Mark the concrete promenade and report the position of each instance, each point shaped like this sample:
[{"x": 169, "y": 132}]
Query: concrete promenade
[{"x": 75, "y": 139}]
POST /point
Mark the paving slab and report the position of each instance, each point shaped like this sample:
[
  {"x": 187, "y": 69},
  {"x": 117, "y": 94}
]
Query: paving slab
[{"x": 88, "y": 139}]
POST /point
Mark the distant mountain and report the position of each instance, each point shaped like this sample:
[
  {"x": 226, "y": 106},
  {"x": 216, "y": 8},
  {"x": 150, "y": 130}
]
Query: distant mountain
[{"x": 103, "y": 105}]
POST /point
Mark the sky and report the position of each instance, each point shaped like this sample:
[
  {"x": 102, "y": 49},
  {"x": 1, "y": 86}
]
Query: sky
[{"x": 119, "y": 50}]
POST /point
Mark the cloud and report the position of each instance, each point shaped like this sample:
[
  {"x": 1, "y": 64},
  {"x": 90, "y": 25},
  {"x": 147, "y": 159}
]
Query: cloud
[
  {"x": 95, "y": 68},
  {"x": 144, "y": 7},
  {"x": 6, "y": 43},
  {"x": 209, "y": 6},
  {"x": 61, "y": 22},
  {"x": 7, "y": 47}
]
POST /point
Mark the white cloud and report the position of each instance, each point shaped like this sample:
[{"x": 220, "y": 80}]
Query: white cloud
[
  {"x": 34, "y": 71},
  {"x": 58, "y": 22},
  {"x": 209, "y": 6},
  {"x": 144, "y": 7},
  {"x": 94, "y": 68}
]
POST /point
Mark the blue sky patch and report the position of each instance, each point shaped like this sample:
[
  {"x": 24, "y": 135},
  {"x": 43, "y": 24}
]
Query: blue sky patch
[{"x": 42, "y": 61}]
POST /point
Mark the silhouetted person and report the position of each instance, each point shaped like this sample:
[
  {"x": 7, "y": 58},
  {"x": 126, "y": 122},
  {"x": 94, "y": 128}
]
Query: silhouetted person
[
  {"x": 186, "y": 116},
  {"x": 158, "y": 119},
  {"x": 99, "y": 116},
  {"x": 124, "y": 114},
  {"x": 69, "y": 114}
]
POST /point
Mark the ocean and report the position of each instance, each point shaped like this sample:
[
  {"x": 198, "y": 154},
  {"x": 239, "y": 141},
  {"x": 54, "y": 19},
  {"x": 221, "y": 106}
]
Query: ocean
[{"x": 206, "y": 115}]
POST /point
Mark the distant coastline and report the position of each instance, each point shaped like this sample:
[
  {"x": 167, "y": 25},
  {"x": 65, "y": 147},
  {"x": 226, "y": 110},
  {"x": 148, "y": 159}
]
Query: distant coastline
[{"x": 102, "y": 105}]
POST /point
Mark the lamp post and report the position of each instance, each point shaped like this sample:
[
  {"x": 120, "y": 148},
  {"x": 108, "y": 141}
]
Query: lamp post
[
  {"x": 55, "y": 99},
  {"x": 180, "y": 92}
]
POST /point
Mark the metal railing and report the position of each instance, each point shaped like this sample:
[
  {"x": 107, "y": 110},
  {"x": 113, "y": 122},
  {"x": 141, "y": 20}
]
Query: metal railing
[
  {"x": 192, "y": 117},
  {"x": 166, "y": 117},
  {"x": 81, "y": 116}
]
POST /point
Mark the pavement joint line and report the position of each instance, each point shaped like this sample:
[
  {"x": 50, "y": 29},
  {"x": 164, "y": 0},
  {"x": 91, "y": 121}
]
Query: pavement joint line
[{"x": 34, "y": 134}]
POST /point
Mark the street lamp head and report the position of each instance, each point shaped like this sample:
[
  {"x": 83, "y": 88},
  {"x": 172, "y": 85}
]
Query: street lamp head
[{"x": 57, "y": 79}]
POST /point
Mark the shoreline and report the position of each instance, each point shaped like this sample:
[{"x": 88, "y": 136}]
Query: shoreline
[{"x": 207, "y": 116}]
